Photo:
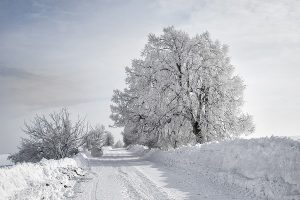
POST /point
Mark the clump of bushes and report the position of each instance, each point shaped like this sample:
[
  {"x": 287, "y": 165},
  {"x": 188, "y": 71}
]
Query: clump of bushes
[
  {"x": 51, "y": 137},
  {"x": 56, "y": 136}
]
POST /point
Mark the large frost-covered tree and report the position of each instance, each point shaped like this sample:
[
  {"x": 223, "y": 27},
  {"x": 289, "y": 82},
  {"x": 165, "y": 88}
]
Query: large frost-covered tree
[{"x": 181, "y": 84}]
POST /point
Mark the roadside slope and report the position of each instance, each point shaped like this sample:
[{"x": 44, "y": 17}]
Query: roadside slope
[{"x": 266, "y": 167}]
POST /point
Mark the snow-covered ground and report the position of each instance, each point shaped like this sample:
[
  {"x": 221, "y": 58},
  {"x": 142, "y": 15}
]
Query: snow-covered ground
[
  {"x": 121, "y": 174},
  {"x": 244, "y": 169},
  {"x": 48, "y": 179},
  {"x": 266, "y": 167},
  {"x": 4, "y": 161}
]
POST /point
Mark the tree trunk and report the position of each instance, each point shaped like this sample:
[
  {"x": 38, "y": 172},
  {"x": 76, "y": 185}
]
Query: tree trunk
[
  {"x": 197, "y": 132},
  {"x": 180, "y": 74}
]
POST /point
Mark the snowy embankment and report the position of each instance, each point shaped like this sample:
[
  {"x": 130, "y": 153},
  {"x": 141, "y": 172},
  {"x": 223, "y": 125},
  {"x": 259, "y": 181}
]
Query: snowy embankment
[
  {"x": 48, "y": 179},
  {"x": 267, "y": 167}
]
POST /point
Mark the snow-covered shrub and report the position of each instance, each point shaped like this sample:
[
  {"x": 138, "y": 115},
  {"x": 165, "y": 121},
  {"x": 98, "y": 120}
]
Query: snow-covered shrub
[
  {"x": 109, "y": 139},
  {"x": 95, "y": 138},
  {"x": 96, "y": 152},
  {"x": 54, "y": 137},
  {"x": 119, "y": 144}
]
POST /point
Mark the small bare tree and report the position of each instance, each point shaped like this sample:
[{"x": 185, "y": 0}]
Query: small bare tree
[{"x": 54, "y": 137}]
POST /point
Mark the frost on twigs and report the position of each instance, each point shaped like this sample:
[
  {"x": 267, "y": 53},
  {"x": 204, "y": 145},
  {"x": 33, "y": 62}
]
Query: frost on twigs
[{"x": 52, "y": 137}]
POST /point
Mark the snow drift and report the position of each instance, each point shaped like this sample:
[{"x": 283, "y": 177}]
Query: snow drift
[
  {"x": 268, "y": 167},
  {"x": 48, "y": 179}
]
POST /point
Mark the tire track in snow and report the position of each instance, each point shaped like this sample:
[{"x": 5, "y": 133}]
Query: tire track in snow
[{"x": 138, "y": 186}]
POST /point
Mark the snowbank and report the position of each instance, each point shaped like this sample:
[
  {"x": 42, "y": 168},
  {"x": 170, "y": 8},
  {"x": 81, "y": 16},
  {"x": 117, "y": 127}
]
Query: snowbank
[
  {"x": 269, "y": 167},
  {"x": 4, "y": 161},
  {"x": 48, "y": 179},
  {"x": 82, "y": 159}
]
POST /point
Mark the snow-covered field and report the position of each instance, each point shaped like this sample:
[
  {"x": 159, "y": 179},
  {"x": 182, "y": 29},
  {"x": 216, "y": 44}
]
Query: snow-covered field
[
  {"x": 48, "y": 179},
  {"x": 267, "y": 167}
]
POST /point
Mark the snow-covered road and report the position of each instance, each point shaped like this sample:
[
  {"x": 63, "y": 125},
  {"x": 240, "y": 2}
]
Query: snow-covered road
[{"x": 120, "y": 174}]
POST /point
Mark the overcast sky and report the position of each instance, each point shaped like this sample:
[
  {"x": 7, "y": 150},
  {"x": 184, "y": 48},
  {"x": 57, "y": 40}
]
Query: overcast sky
[{"x": 72, "y": 54}]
